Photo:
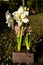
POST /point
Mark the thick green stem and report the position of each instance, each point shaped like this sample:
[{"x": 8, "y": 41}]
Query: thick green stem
[
  {"x": 27, "y": 42},
  {"x": 19, "y": 39}
]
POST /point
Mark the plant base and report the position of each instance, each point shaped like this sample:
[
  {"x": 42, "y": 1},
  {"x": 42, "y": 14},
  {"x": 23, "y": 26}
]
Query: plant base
[{"x": 20, "y": 57}]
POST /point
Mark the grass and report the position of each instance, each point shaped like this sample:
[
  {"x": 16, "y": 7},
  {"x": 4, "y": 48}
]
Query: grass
[{"x": 36, "y": 23}]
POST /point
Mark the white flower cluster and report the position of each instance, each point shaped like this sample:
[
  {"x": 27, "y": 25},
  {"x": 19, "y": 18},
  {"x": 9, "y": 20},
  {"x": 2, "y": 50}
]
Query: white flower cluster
[
  {"x": 8, "y": 16},
  {"x": 20, "y": 16},
  {"x": 9, "y": 19}
]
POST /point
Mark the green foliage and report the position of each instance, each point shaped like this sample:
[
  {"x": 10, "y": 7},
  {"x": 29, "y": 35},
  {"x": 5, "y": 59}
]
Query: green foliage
[
  {"x": 8, "y": 40},
  {"x": 7, "y": 43},
  {"x": 29, "y": 3},
  {"x": 36, "y": 4},
  {"x": 36, "y": 24},
  {"x": 40, "y": 60},
  {"x": 12, "y": 6}
]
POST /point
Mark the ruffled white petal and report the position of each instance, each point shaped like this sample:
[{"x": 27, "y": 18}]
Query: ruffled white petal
[
  {"x": 8, "y": 15},
  {"x": 8, "y": 25},
  {"x": 19, "y": 23},
  {"x": 6, "y": 21},
  {"x": 14, "y": 13},
  {"x": 20, "y": 10},
  {"x": 25, "y": 20},
  {"x": 26, "y": 13}
]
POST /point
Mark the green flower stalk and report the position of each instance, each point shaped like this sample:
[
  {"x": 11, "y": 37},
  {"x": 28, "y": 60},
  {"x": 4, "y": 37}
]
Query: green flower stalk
[
  {"x": 19, "y": 38},
  {"x": 28, "y": 41}
]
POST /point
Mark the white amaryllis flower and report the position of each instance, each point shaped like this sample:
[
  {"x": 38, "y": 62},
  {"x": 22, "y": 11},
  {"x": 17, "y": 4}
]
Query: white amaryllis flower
[
  {"x": 9, "y": 19},
  {"x": 8, "y": 23},
  {"x": 21, "y": 16},
  {"x": 7, "y": 15}
]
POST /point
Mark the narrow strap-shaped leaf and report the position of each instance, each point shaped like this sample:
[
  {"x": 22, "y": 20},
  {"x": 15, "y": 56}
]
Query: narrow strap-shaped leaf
[
  {"x": 27, "y": 42},
  {"x": 19, "y": 39}
]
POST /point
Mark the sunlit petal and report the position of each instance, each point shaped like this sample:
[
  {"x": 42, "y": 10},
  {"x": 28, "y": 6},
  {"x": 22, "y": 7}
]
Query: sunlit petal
[
  {"x": 8, "y": 15},
  {"x": 20, "y": 10},
  {"x": 19, "y": 23},
  {"x": 8, "y": 25},
  {"x": 25, "y": 20},
  {"x": 6, "y": 21},
  {"x": 26, "y": 13},
  {"x": 14, "y": 13}
]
